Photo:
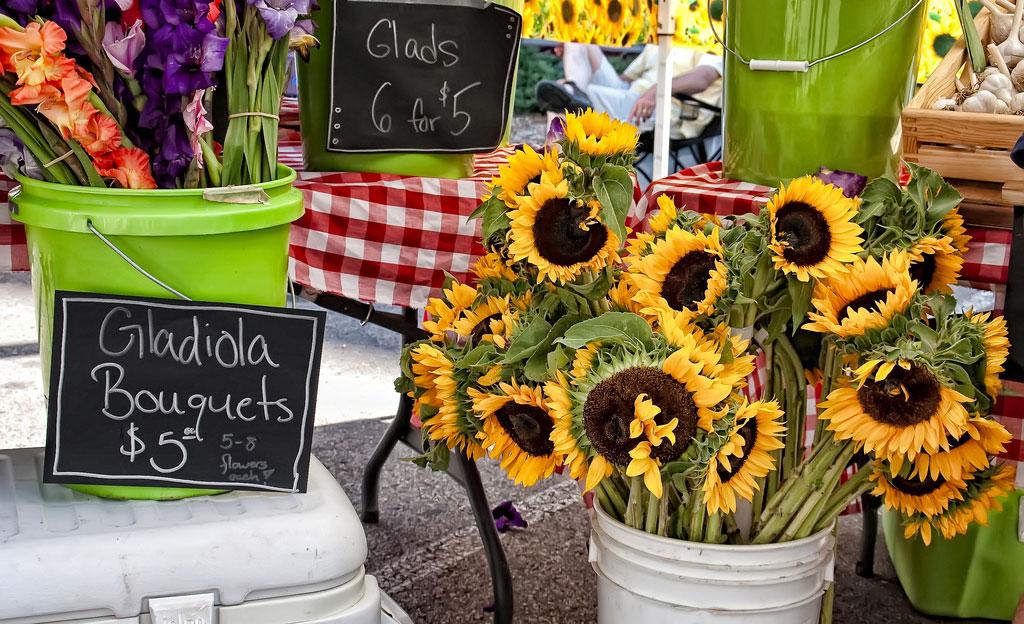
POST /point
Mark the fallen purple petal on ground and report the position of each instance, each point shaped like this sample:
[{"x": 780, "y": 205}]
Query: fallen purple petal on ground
[{"x": 507, "y": 517}]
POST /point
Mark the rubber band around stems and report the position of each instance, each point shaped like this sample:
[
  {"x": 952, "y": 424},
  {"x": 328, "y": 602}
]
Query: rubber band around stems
[
  {"x": 59, "y": 159},
  {"x": 255, "y": 114}
]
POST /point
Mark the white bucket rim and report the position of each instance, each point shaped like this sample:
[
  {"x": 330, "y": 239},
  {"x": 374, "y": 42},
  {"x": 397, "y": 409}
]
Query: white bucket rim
[
  {"x": 719, "y": 548},
  {"x": 738, "y": 612}
]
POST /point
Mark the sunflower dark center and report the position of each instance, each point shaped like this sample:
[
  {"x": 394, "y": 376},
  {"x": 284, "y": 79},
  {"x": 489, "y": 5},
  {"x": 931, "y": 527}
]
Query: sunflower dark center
[
  {"x": 568, "y": 11},
  {"x": 955, "y": 443},
  {"x": 924, "y": 271},
  {"x": 611, "y": 404},
  {"x": 559, "y": 237},
  {"x": 483, "y": 327},
  {"x": 529, "y": 427},
  {"x": 915, "y": 487},
  {"x": 869, "y": 301},
  {"x": 749, "y": 434},
  {"x": 687, "y": 281},
  {"x": 615, "y": 10},
  {"x": 905, "y": 398},
  {"x": 805, "y": 232}
]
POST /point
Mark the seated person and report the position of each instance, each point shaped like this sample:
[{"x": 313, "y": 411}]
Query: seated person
[{"x": 591, "y": 81}]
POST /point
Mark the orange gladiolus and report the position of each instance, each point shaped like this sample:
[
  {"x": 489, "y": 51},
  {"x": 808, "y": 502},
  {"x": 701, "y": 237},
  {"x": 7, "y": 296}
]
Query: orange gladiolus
[
  {"x": 100, "y": 135},
  {"x": 128, "y": 166},
  {"x": 35, "y": 53}
]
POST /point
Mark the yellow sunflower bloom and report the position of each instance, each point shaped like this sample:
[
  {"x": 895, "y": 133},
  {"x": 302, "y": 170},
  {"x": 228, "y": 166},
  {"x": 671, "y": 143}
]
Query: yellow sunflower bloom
[
  {"x": 492, "y": 265},
  {"x": 745, "y": 457},
  {"x": 523, "y": 168},
  {"x": 812, "y": 230},
  {"x": 864, "y": 299},
  {"x": 997, "y": 349},
  {"x": 896, "y": 410},
  {"x": 642, "y": 463},
  {"x": 597, "y": 134},
  {"x": 435, "y": 374},
  {"x": 970, "y": 452},
  {"x": 565, "y": 19},
  {"x": 517, "y": 431},
  {"x": 929, "y": 497},
  {"x": 491, "y": 319},
  {"x": 443, "y": 312},
  {"x": 953, "y": 226},
  {"x": 981, "y": 497},
  {"x": 935, "y": 264},
  {"x": 559, "y": 236},
  {"x": 685, "y": 272}
]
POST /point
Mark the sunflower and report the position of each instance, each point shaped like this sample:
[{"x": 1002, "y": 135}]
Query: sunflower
[
  {"x": 532, "y": 10},
  {"x": 935, "y": 264},
  {"x": 953, "y": 226},
  {"x": 666, "y": 215},
  {"x": 560, "y": 236},
  {"x": 864, "y": 299},
  {"x": 812, "y": 229},
  {"x": 896, "y": 408},
  {"x": 622, "y": 292},
  {"x": 435, "y": 375},
  {"x": 928, "y": 497},
  {"x": 443, "y": 312},
  {"x": 492, "y": 266},
  {"x": 517, "y": 430},
  {"x": 685, "y": 272},
  {"x": 597, "y": 134},
  {"x": 614, "y": 19},
  {"x": 491, "y": 319},
  {"x": 997, "y": 349},
  {"x": 594, "y": 414},
  {"x": 565, "y": 18},
  {"x": 583, "y": 360},
  {"x": 982, "y": 438},
  {"x": 523, "y": 168},
  {"x": 745, "y": 456},
  {"x": 981, "y": 496},
  {"x": 644, "y": 425}
]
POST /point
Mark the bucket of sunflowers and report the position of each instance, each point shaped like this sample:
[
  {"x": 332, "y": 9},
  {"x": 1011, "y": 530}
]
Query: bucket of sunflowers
[
  {"x": 627, "y": 360},
  {"x": 133, "y": 178}
]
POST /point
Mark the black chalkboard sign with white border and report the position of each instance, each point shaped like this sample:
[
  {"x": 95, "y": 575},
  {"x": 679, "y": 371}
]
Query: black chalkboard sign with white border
[
  {"x": 421, "y": 76},
  {"x": 158, "y": 392}
]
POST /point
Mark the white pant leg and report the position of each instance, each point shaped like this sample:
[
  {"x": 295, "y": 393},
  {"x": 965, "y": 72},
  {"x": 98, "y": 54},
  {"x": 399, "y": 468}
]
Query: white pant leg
[
  {"x": 606, "y": 76},
  {"x": 576, "y": 64},
  {"x": 615, "y": 101}
]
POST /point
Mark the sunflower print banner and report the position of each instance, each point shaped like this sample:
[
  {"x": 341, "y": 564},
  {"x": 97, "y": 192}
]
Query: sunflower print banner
[{"x": 624, "y": 23}]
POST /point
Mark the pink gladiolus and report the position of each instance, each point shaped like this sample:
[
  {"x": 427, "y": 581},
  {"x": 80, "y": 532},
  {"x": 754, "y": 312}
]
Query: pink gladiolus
[{"x": 197, "y": 124}]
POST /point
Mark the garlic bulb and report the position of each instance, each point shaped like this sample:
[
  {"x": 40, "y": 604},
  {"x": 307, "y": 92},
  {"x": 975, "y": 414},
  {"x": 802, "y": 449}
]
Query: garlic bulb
[
  {"x": 1001, "y": 22},
  {"x": 995, "y": 55},
  {"x": 1013, "y": 48},
  {"x": 980, "y": 102},
  {"x": 1017, "y": 103},
  {"x": 1004, "y": 95},
  {"x": 1001, "y": 108},
  {"x": 944, "y": 104},
  {"x": 1017, "y": 77},
  {"x": 996, "y": 82}
]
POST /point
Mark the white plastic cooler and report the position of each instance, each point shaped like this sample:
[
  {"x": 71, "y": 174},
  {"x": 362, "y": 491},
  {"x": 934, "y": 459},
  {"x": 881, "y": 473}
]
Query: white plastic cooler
[{"x": 237, "y": 558}]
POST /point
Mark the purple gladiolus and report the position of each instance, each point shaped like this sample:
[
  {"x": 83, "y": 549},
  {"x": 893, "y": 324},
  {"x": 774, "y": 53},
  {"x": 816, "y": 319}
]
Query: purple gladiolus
[
  {"x": 15, "y": 158},
  {"x": 556, "y": 131},
  {"x": 123, "y": 48},
  {"x": 853, "y": 184},
  {"x": 190, "y": 66},
  {"x": 506, "y": 517},
  {"x": 280, "y": 15}
]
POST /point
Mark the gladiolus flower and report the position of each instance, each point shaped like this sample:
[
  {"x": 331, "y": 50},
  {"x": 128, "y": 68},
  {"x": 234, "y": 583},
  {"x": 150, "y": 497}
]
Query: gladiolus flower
[
  {"x": 99, "y": 135},
  {"x": 124, "y": 47},
  {"x": 197, "y": 124},
  {"x": 129, "y": 167},
  {"x": 34, "y": 53}
]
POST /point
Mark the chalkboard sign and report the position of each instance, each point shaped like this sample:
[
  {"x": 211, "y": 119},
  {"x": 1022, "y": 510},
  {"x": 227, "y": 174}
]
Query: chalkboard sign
[
  {"x": 180, "y": 393},
  {"x": 418, "y": 77}
]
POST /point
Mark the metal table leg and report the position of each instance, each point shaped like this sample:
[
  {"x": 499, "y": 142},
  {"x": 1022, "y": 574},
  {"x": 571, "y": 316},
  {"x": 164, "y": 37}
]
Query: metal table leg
[
  {"x": 501, "y": 577},
  {"x": 869, "y": 509},
  {"x": 371, "y": 474}
]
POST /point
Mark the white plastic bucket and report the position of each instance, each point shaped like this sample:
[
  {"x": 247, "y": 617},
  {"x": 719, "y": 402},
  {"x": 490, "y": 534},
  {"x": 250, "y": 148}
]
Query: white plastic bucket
[{"x": 657, "y": 580}]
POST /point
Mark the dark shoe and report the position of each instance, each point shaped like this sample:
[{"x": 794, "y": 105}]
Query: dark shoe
[{"x": 557, "y": 97}]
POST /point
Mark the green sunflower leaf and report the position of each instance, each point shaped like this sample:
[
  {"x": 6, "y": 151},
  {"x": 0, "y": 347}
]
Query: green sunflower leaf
[
  {"x": 536, "y": 368},
  {"x": 495, "y": 218},
  {"x": 596, "y": 289},
  {"x": 800, "y": 294},
  {"x": 933, "y": 195},
  {"x": 485, "y": 205},
  {"x": 559, "y": 359},
  {"x": 527, "y": 341},
  {"x": 610, "y": 327},
  {"x": 614, "y": 189}
]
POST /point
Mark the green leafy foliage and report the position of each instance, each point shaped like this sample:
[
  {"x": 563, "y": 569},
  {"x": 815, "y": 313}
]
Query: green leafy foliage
[
  {"x": 610, "y": 327},
  {"x": 614, "y": 189}
]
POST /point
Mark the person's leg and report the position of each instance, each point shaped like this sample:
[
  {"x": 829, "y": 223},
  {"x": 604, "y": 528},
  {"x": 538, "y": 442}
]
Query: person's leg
[
  {"x": 578, "y": 64},
  {"x": 615, "y": 101},
  {"x": 602, "y": 72},
  {"x": 569, "y": 93}
]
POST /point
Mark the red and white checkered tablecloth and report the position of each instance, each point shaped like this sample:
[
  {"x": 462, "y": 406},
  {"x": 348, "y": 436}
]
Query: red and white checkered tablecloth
[{"x": 986, "y": 267}]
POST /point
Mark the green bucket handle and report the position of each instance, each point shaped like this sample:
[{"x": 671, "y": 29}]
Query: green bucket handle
[{"x": 802, "y": 66}]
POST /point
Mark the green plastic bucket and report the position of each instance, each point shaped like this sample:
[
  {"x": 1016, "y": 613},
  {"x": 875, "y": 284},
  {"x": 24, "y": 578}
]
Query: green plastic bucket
[
  {"x": 843, "y": 113},
  {"x": 314, "y": 115},
  {"x": 977, "y": 575},
  {"x": 207, "y": 250}
]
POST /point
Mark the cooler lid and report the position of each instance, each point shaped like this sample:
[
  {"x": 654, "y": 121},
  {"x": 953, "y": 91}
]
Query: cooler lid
[{"x": 68, "y": 555}]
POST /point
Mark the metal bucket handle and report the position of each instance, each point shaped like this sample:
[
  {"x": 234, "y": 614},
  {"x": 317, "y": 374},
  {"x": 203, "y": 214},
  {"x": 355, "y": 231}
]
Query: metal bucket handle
[{"x": 801, "y": 66}]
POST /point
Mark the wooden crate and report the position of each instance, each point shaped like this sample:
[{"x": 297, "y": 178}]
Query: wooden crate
[{"x": 971, "y": 150}]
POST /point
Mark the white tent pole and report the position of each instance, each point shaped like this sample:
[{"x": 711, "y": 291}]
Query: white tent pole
[{"x": 663, "y": 108}]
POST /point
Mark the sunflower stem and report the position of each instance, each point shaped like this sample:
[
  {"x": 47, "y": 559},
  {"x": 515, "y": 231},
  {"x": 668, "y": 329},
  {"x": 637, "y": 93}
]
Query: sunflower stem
[
  {"x": 713, "y": 533},
  {"x": 653, "y": 512},
  {"x": 832, "y": 369},
  {"x": 697, "y": 516},
  {"x": 791, "y": 500},
  {"x": 856, "y": 485},
  {"x": 822, "y": 491},
  {"x": 663, "y": 514},
  {"x": 732, "y": 530},
  {"x": 634, "y": 507},
  {"x": 615, "y": 500},
  {"x": 826, "y": 604}
]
